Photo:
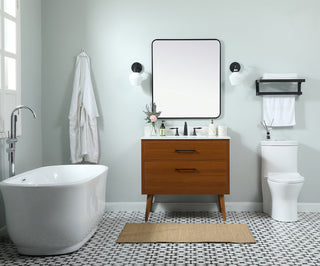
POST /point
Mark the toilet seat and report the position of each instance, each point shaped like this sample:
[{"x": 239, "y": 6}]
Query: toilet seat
[{"x": 287, "y": 178}]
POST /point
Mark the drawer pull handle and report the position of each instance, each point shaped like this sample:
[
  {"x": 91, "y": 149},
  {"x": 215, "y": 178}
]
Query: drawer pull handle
[
  {"x": 186, "y": 170},
  {"x": 185, "y": 151}
]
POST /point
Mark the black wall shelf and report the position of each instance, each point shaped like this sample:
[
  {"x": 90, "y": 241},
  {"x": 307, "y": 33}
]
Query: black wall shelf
[{"x": 298, "y": 81}]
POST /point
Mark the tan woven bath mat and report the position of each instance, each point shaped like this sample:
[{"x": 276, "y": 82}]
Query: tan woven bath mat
[{"x": 185, "y": 232}]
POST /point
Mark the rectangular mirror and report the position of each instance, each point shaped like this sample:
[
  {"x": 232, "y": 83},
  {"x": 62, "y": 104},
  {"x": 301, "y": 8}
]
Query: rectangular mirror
[{"x": 186, "y": 77}]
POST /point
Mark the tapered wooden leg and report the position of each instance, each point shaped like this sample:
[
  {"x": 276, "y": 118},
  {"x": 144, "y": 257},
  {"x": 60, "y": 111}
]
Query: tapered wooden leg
[
  {"x": 149, "y": 206},
  {"x": 222, "y": 206}
]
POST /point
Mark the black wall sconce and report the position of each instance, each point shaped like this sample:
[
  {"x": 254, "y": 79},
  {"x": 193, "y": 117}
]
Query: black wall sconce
[
  {"x": 235, "y": 67},
  {"x": 136, "y": 77},
  {"x": 235, "y": 77}
]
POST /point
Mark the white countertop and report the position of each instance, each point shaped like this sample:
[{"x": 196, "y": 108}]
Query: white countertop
[{"x": 185, "y": 137}]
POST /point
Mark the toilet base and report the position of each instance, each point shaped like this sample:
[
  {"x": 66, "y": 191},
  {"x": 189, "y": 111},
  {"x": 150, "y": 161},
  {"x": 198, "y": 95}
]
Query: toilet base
[
  {"x": 284, "y": 201},
  {"x": 284, "y": 211}
]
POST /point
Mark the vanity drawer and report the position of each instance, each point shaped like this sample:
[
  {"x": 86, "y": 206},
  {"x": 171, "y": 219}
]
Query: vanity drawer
[
  {"x": 185, "y": 149},
  {"x": 192, "y": 177}
]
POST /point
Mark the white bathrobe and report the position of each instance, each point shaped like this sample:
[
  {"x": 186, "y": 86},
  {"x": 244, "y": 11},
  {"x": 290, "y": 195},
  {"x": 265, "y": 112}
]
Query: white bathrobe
[{"x": 84, "y": 143}]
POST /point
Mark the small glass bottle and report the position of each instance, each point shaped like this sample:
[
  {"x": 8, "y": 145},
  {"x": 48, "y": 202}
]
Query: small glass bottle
[
  {"x": 212, "y": 131},
  {"x": 162, "y": 129}
]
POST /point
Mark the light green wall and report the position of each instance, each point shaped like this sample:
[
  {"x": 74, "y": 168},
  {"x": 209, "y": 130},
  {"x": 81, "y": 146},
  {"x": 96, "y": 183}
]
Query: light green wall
[
  {"x": 270, "y": 36},
  {"x": 29, "y": 145}
]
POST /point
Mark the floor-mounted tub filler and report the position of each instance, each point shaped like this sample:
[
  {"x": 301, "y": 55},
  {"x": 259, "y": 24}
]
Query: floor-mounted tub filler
[{"x": 55, "y": 209}]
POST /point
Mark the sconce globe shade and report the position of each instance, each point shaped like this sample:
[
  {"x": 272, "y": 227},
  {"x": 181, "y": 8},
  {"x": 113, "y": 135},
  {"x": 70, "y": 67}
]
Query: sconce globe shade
[
  {"x": 135, "y": 79},
  {"x": 235, "y": 78}
]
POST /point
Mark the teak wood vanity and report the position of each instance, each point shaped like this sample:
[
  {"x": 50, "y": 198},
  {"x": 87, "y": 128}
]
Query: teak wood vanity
[{"x": 185, "y": 165}]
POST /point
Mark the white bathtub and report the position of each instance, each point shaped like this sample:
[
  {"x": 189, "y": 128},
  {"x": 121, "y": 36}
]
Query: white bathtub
[{"x": 55, "y": 209}]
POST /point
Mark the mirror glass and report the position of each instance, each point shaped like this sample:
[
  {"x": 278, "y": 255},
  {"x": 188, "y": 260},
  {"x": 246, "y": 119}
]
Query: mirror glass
[{"x": 186, "y": 78}]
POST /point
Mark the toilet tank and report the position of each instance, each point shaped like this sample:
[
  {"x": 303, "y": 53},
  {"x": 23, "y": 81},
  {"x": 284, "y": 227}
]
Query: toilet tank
[{"x": 279, "y": 156}]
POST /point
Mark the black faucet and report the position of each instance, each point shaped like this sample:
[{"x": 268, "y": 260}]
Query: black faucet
[
  {"x": 185, "y": 130},
  {"x": 176, "y": 128},
  {"x": 194, "y": 131}
]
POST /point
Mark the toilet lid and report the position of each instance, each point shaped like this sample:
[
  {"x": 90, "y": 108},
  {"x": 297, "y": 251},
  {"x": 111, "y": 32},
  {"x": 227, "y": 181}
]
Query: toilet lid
[{"x": 288, "y": 178}]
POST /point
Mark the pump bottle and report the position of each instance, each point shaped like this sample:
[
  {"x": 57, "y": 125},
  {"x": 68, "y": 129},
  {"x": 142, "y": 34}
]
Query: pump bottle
[{"x": 162, "y": 129}]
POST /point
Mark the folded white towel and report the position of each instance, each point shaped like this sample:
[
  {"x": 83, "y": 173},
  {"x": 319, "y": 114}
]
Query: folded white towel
[
  {"x": 279, "y": 76},
  {"x": 280, "y": 110}
]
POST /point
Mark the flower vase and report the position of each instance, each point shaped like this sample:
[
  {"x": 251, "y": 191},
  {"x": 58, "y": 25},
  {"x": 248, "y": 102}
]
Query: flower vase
[{"x": 153, "y": 130}]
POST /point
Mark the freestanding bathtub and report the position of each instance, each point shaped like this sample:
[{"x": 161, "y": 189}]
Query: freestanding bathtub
[{"x": 55, "y": 209}]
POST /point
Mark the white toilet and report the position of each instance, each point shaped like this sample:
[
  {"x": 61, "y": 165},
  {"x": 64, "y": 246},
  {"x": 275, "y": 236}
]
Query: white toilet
[{"x": 281, "y": 182}]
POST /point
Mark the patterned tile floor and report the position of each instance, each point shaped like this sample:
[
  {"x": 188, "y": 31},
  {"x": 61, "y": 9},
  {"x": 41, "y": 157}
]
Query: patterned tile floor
[{"x": 277, "y": 243}]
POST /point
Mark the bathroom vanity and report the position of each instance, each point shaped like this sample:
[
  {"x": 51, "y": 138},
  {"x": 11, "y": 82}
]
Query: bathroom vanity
[{"x": 185, "y": 165}]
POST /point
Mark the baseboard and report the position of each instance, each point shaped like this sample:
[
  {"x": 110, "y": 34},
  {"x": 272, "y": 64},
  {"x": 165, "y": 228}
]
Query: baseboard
[
  {"x": 125, "y": 206},
  {"x": 187, "y": 206},
  {"x": 308, "y": 207},
  {"x": 160, "y": 207}
]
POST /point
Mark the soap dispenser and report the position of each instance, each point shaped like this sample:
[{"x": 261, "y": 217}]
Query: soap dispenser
[
  {"x": 162, "y": 129},
  {"x": 212, "y": 129}
]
